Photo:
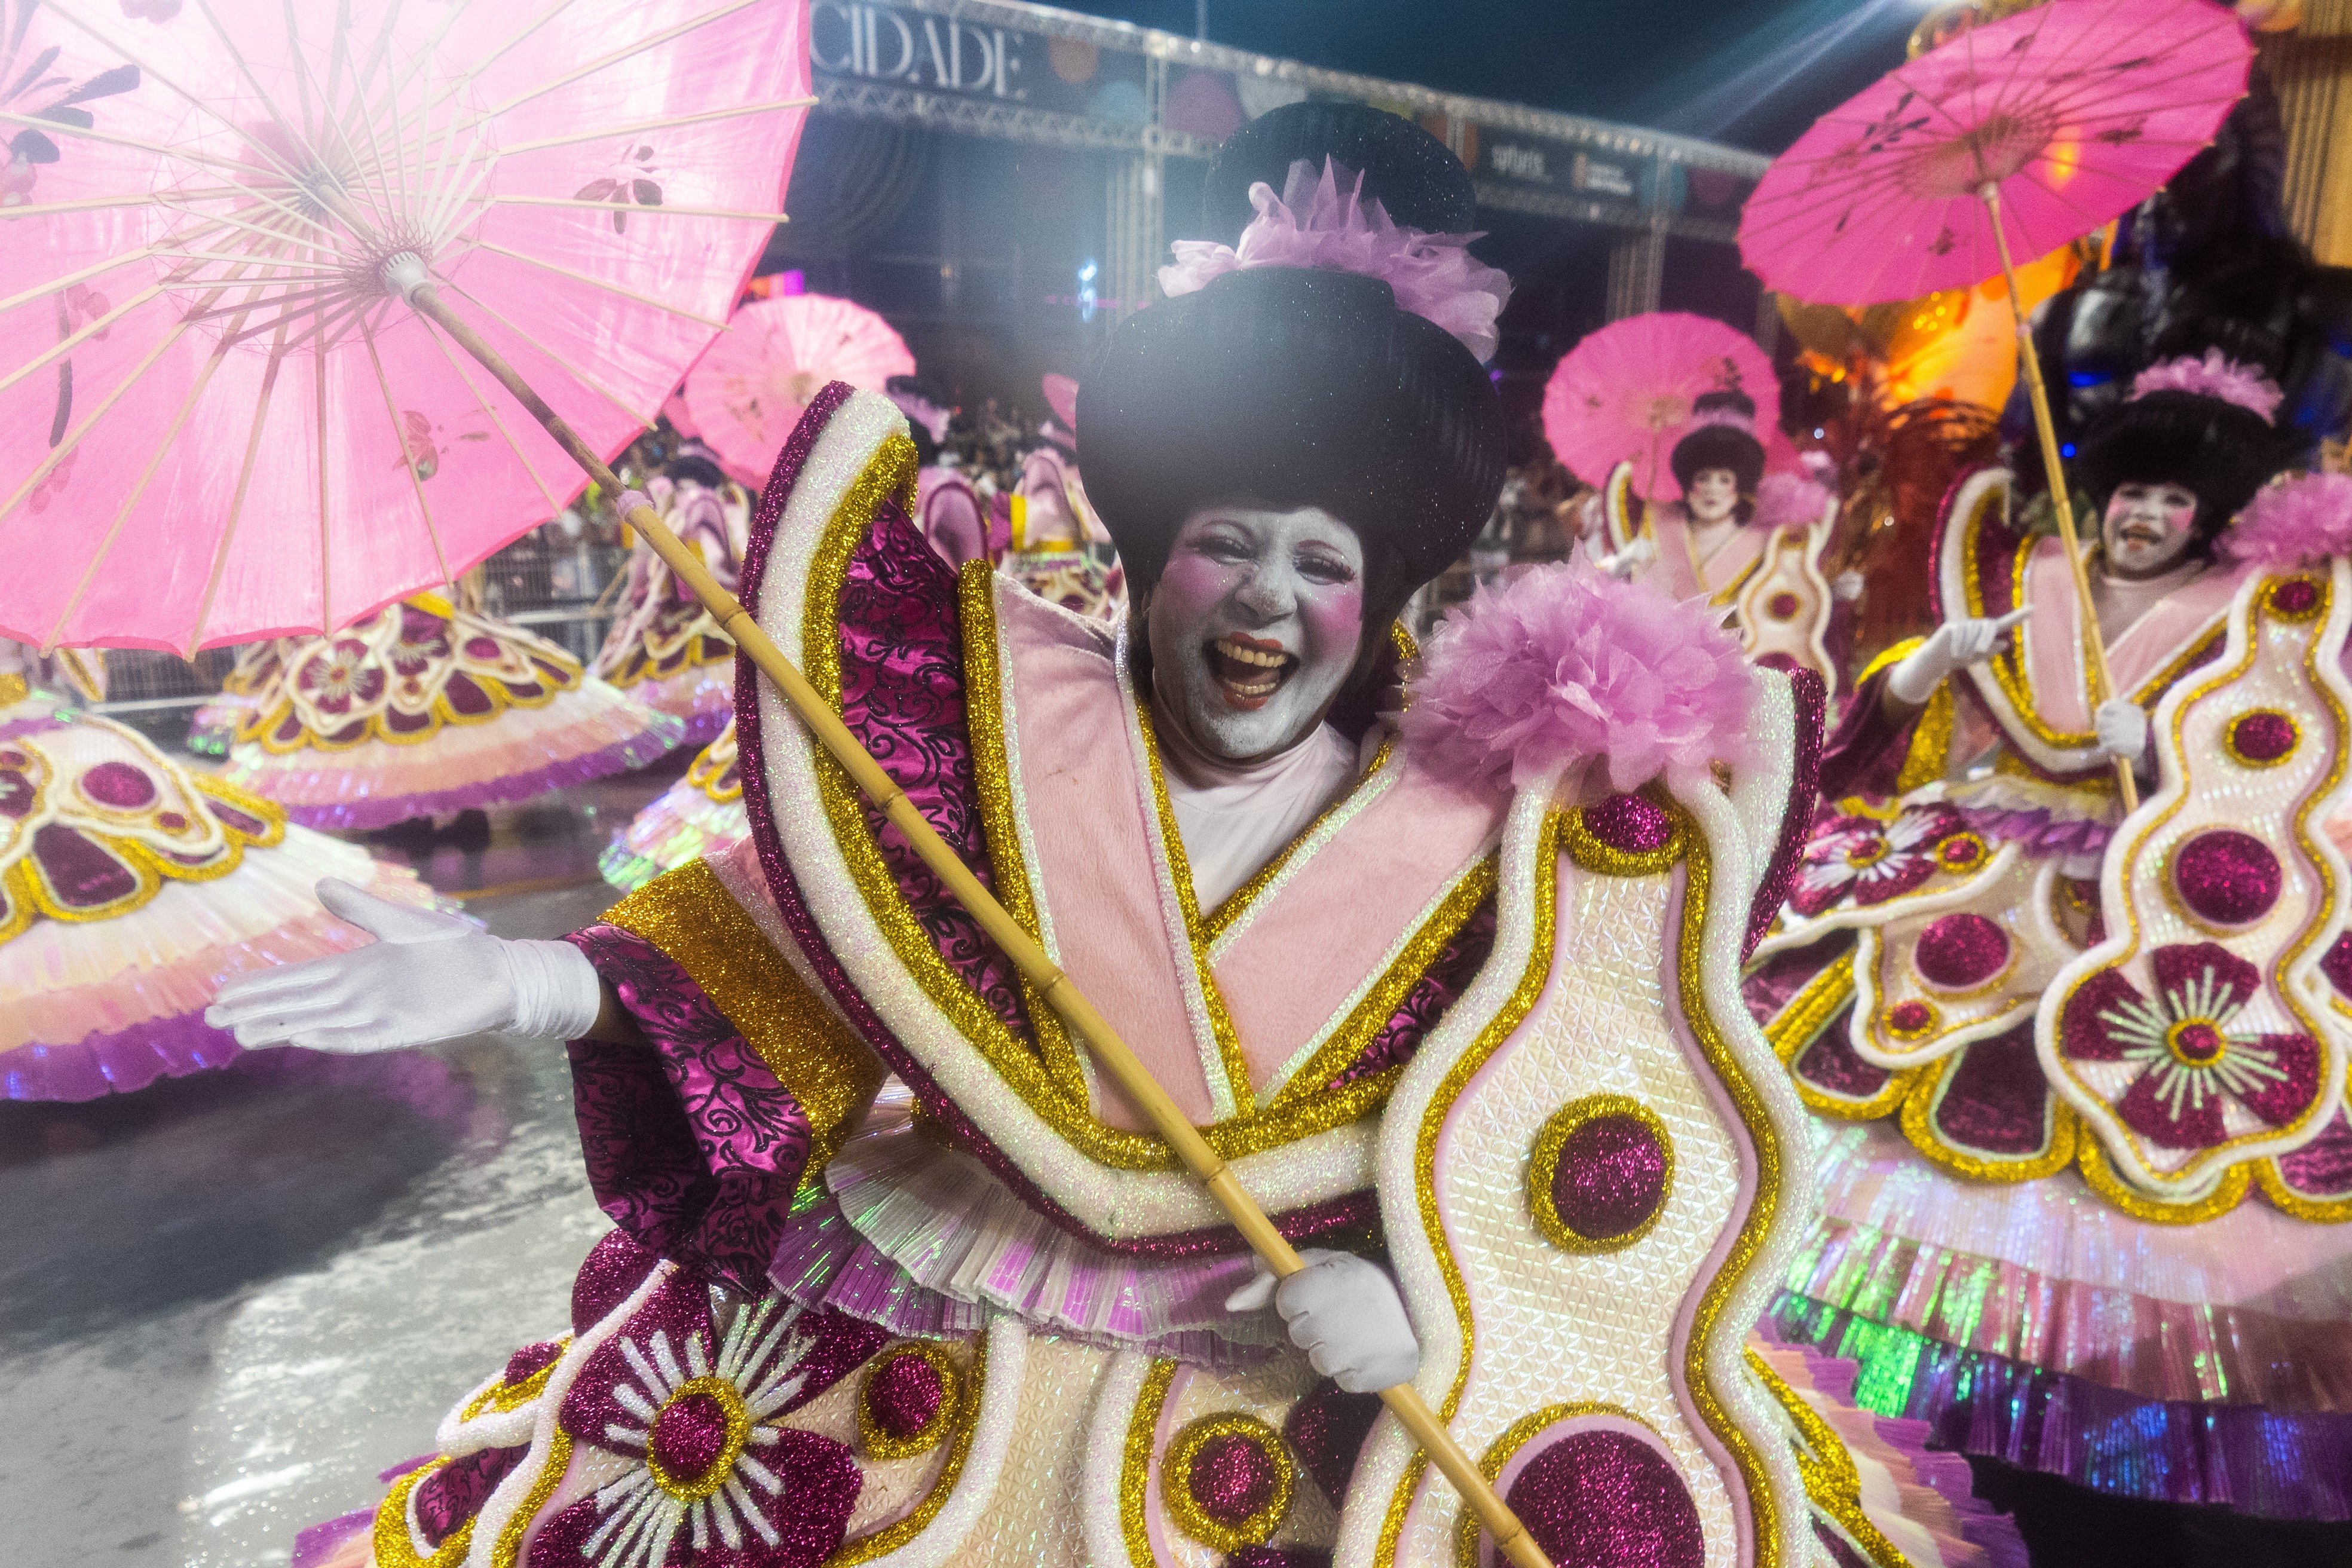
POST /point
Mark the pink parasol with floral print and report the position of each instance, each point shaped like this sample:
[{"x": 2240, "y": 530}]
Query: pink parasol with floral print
[
  {"x": 746, "y": 394},
  {"x": 220, "y": 418},
  {"x": 1625, "y": 391}
]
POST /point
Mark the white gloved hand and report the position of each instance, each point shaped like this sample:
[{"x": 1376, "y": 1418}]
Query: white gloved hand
[
  {"x": 1954, "y": 645},
  {"x": 1630, "y": 560},
  {"x": 428, "y": 977},
  {"x": 1846, "y": 588},
  {"x": 1344, "y": 1311},
  {"x": 2122, "y": 725}
]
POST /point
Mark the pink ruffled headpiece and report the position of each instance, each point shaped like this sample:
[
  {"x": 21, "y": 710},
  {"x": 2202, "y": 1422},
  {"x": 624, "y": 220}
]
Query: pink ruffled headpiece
[
  {"x": 1606, "y": 684},
  {"x": 2304, "y": 517},
  {"x": 1789, "y": 500},
  {"x": 2215, "y": 375},
  {"x": 1316, "y": 223},
  {"x": 1732, "y": 417}
]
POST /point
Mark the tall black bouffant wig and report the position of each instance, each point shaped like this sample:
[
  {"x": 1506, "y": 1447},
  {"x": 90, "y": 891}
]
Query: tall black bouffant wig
[
  {"x": 1421, "y": 183},
  {"x": 2220, "y": 450},
  {"x": 1722, "y": 445}
]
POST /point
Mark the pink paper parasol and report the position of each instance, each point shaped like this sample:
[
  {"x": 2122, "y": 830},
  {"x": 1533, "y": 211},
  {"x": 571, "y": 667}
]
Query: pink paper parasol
[
  {"x": 219, "y": 419},
  {"x": 1625, "y": 391},
  {"x": 2076, "y": 111},
  {"x": 750, "y": 388}
]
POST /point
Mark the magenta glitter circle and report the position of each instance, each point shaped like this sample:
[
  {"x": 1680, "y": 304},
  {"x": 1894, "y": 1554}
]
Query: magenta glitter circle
[
  {"x": 1959, "y": 951},
  {"x": 2263, "y": 735},
  {"x": 2227, "y": 877},
  {"x": 2198, "y": 1043},
  {"x": 903, "y": 1394},
  {"x": 118, "y": 784},
  {"x": 2296, "y": 597},
  {"x": 1231, "y": 1479},
  {"x": 1611, "y": 1178},
  {"x": 1607, "y": 1500},
  {"x": 1781, "y": 606},
  {"x": 1630, "y": 825},
  {"x": 1905, "y": 1016},
  {"x": 689, "y": 1435}
]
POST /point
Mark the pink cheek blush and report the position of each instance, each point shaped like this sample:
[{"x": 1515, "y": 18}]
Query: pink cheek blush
[
  {"x": 1194, "y": 585},
  {"x": 1334, "y": 617}
]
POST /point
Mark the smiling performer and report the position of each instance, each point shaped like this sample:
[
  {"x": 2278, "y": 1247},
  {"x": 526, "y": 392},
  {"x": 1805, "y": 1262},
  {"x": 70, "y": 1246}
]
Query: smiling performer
[
  {"x": 2096, "y": 1166},
  {"x": 1457, "y": 1003},
  {"x": 1735, "y": 540}
]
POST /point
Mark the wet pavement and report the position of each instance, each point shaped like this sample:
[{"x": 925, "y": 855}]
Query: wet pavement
[{"x": 228, "y": 1301}]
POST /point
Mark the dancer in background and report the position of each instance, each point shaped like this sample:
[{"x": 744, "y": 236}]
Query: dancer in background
[
  {"x": 131, "y": 887},
  {"x": 699, "y": 817},
  {"x": 950, "y": 510},
  {"x": 1061, "y": 550},
  {"x": 664, "y": 649},
  {"x": 424, "y": 710}
]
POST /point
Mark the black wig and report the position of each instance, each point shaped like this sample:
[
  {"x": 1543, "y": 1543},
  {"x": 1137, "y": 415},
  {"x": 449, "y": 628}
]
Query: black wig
[
  {"x": 2222, "y": 452},
  {"x": 1420, "y": 183},
  {"x": 1722, "y": 446}
]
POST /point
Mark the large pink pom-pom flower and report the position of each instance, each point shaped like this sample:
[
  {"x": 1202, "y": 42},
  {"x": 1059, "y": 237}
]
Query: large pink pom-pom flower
[
  {"x": 1789, "y": 500},
  {"x": 1608, "y": 684},
  {"x": 2297, "y": 519}
]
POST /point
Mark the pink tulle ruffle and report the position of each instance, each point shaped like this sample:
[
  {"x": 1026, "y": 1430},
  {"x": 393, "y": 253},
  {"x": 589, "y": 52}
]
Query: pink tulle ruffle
[
  {"x": 2215, "y": 375},
  {"x": 1607, "y": 684},
  {"x": 1317, "y": 223},
  {"x": 2308, "y": 517}
]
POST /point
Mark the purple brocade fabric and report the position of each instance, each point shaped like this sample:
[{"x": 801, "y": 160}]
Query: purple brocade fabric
[
  {"x": 455, "y": 1493},
  {"x": 655, "y": 739},
  {"x": 1862, "y": 755},
  {"x": 1812, "y": 703},
  {"x": 1278, "y": 1557},
  {"x": 693, "y": 1147},
  {"x": 2261, "y": 1462},
  {"x": 100, "y": 1064},
  {"x": 1438, "y": 988}
]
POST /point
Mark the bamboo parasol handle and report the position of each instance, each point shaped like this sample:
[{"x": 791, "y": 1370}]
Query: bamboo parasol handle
[
  {"x": 2095, "y": 645},
  {"x": 1404, "y": 1401}
]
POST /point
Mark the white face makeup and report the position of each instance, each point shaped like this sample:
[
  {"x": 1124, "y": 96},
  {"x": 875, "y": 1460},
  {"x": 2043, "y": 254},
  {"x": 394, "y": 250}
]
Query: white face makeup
[
  {"x": 1254, "y": 625},
  {"x": 2148, "y": 528},
  {"x": 1712, "y": 495}
]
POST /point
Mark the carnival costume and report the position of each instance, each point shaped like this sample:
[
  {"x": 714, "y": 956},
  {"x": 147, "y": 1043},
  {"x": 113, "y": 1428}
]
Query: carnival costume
[
  {"x": 1502, "y": 1031},
  {"x": 423, "y": 708},
  {"x": 950, "y": 513},
  {"x": 213, "y": 728},
  {"x": 665, "y": 650},
  {"x": 1060, "y": 550},
  {"x": 1765, "y": 573},
  {"x": 699, "y": 817},
  {"x": 2086, "y": 1162},
  {"x": 130, "y": 886}
]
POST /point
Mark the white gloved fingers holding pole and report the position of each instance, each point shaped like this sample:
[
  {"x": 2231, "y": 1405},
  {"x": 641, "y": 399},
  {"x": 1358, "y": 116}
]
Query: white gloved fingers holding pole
[
  {"x": 1344, "y": 1311},
  {"x": 2122, "y": 726},
  {"x": 1949, "y": 648},
  {"x": 428, "y": 977}
]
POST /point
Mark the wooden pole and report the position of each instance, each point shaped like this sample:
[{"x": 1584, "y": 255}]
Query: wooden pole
[
  {"x": 1404, "y": 1401},
  {"x": 2095, "y": 645}
]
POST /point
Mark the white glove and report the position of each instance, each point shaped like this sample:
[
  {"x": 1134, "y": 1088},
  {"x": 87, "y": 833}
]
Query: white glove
[
  {"x": 1954, "y": 645},
  {"x": 1630, "y": 560},
  {"x": 428, "y": 977},
  {"x": 1344, "y": 1314},
  {"x": 2122, "y": 725},
  {"x": 1846, "y": 588}
]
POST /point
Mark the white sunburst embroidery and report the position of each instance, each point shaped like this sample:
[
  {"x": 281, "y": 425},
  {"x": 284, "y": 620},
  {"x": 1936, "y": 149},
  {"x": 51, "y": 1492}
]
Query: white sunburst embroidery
[
  {"x": 2148, "y": 1027},
  {"x": 754, "y": 1376}
]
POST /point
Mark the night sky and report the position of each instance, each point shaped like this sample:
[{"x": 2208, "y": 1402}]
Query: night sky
[{"x": 1749, "y": 72}]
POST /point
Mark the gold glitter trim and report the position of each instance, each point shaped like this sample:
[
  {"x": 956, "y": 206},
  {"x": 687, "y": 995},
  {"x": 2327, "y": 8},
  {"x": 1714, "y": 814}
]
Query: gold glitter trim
[
  {"x": 1543, "y": 1170},
  {"x": 1515, "y": 1436},
  {"x": 2271, "y": 597},
  {"x": 2238, "y": 1175},
  {"x": 1920, "y": 1031},
  {"x": 502, "y": 1396},
  {"x": 1929, "y": 753},
  {"x": 1607, "y": 859},
  {"x": 991, "y": 782},
  {"x": 508, "y": 1550},
  {"x": 2227, "y": 1194},
  {"x": 689, "y": 916},
  {"x": 396, "y": 1546},
  {"x": 2229, "y": 739},
  {"x": 891, "y": 1537},
  {"x": 1799, "y": 1024},
  {"x": 1249, "y": 1131},
  {"x": 2287, "y": 1201},
  {"x": 1506, "y": 1018},
  {"x": 1176, "y": 1484},
  {"x": 739, "y": 1433},
  {"x": 1886, "y": 657},
  {"x": 882, "y": 1445},
  {"x": 1832, "y": 1481},
  {"x": 1918, "y": 1123},
  {"x": 14, "y": 688},
  {"x": 1135, "y": 1463}
]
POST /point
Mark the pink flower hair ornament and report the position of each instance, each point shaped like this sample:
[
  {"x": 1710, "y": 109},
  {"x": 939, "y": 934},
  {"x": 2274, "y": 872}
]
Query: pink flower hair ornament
[
  {"x": 1324, "y": 221},
  {"x": 2308, "y": 517},
  {"x": 1558, "y": 673},
  {"x": 2215, "y": 375},
  {"x": 1789, "y": 500}
]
